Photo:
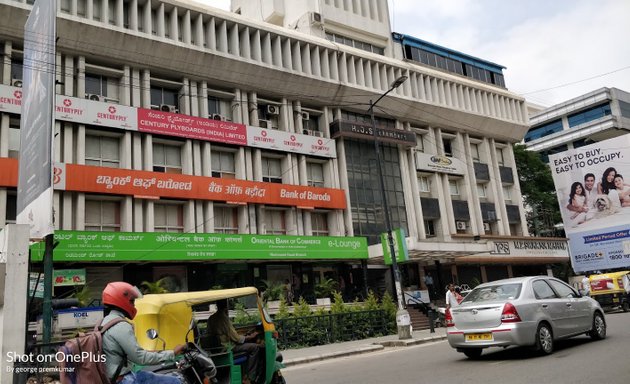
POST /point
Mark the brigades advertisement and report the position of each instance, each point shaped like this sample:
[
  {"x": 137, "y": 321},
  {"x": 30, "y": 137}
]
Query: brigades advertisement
[
  {"x": 593, "y": 189},
  {"x": 152, "y": 246}
]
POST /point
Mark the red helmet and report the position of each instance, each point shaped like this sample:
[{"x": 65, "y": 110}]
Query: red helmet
[{"x": 122, "y": 296}]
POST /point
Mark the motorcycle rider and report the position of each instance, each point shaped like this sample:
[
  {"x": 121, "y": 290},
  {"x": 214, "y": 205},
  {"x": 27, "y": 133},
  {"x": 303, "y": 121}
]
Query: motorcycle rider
[{"x": 120, "y": 345}]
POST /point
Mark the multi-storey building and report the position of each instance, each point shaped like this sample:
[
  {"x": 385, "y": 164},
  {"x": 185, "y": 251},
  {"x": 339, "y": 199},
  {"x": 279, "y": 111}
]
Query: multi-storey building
[
  {"x": 246, "y": 134},
  {"x": 599, "y": 115}
]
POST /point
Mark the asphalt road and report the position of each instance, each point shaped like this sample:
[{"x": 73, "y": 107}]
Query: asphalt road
[{"x": 576, "y": 360}]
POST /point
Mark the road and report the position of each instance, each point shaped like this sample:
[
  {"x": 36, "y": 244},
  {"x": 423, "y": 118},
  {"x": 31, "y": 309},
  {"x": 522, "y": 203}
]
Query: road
[{"x": 577, "y": 360}]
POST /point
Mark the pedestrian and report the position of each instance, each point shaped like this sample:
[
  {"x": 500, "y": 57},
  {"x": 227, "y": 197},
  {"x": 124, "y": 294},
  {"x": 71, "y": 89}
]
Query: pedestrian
[
  {"x": 586, "y": 286},
  {"x": 451, "y": 297},
  {"x": 458, "y": 295},
  {"x": 120, "y": 345},
  {"x": 428, "y": 281}
]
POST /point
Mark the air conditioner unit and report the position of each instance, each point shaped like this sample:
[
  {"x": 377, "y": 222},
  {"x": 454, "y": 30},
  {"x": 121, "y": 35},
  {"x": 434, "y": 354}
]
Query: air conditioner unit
[
  {"x": 310, "y": 132},
  {"x": 460, "y": 225},
  {"x": 110, "y": 100},
  {"x": 268, "y": 124},
  {"x": 273, "y": 110},
  {"x": 16, "y": 83},
  {"x": 486, "y": 227},
  {"x": 305, "y": 115},
  {"x": 216, "y": 116},
  {"x": 155, "y": 107},
  {"x": 168, "y": 108},
  {"x": 315, "y": 18},
  {"x": 94, "y": 97}
]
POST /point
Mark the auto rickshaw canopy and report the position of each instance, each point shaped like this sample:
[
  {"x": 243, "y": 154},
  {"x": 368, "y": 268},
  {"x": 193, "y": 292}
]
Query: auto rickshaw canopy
[{"x": 171, "y": 314}]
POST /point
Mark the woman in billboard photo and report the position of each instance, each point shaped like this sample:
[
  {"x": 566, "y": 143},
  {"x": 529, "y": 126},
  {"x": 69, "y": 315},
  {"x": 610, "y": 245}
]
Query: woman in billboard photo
[
  {"x": 577, "y": 200},
  {"x": 608, "y": 181}
]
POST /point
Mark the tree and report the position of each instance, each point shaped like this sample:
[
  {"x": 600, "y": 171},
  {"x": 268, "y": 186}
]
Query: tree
[{"x": 539, "y": 192}]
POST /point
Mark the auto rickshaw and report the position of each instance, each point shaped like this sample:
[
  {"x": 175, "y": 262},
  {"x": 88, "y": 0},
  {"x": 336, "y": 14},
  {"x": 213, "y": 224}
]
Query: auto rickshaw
[
  {"x": 611, "y": 289},
  {"x": 174, "y": 317}
]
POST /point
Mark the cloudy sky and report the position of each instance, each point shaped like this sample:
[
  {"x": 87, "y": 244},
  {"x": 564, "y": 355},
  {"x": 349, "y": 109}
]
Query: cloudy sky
[{"x": 553, "y": 49}]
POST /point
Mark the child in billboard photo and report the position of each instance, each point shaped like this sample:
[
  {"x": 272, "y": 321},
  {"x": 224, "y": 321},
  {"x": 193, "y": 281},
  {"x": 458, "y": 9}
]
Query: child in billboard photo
[
  {"x": 623, "y": 190},
  {"x": 577, "y": 201}
]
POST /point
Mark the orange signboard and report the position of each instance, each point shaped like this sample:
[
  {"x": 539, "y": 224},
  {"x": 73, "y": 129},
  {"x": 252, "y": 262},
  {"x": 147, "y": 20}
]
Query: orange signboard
[
  {"x": 8, "y": 172},
  {"x": 145, "y": 184}
]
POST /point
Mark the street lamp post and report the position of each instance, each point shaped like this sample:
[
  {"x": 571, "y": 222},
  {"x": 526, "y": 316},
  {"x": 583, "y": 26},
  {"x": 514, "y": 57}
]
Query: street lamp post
[{"x": 403, "y": 321}]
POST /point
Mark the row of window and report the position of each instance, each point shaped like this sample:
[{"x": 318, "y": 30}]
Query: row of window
[
  {"x": 453, "y": 65},
  {"x": 104, "y": 215},
  {"x": 574, "y": 120},
  {"x": 354, "y": 43}
]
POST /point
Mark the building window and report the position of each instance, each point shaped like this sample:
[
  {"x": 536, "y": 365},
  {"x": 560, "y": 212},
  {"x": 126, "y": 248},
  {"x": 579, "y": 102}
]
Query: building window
[
  {"x": 312, "y": 125},
  {"x": 167, "y": 158},
  {"x": 225, "y": 220},
  {"x": 168, "y": 217},
  {"x": 420, "y": 141},
  {"x": 315, "y": 174},
  {"x": 448, "y": 147},
  {"x": 354, "y": 43},
  {"x": 102, "y": 216},
  {"x": 474, "y": 151},
  {"x": 214, "y": 106},
  {"x": 507, "y": 193},
  {"x": 590, "y": 114},
  {"x": 14, "y": 138},
  {"x": 276, "y": 224},
  {"x": 272, "y": 170},
  {"x": 11, "y": 207},
  {"x": 453, "y": 187},
  {"x": 102, "y": 151},
  {"x": 223, "y": 165},
  {"x": 424, "y": 184},
  {"x": 500, "y": 157},
  {"x": 319, "y": 223},
  {"x": 164, "y": 99},
  {"x": 17, "y": 68},
  {"x": 481, "y": 190},
  {"x": 366, "y": 199},
  {"x": 96, "y": 9},
  {"x": 95, "y": 84},
  {"x": 543, "y": 130},
  {"x": 429, "y": 228}
]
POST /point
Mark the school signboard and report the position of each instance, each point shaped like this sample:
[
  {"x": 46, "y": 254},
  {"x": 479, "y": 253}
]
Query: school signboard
[{"x": 593, "y": 189}]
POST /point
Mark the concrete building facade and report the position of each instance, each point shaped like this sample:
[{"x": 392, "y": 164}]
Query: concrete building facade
[{"x": 225, "y": 148}]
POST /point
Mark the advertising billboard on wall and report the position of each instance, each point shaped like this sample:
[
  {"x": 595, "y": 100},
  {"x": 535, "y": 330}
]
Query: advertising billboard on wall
[{"x": 593, "y": 189}]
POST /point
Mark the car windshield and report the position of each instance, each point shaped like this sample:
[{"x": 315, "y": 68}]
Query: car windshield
[{"x": 494, "y": 293}]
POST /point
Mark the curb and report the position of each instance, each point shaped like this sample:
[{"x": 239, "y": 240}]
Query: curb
[
  {"x": 377, "y": 346},
  {"x": 409, "y": 342},
  {"x": 332, "y": 355}
]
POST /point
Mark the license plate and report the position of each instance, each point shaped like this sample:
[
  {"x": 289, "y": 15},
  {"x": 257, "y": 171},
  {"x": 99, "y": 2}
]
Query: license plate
[
  {"x": 479, "y": 337},
  {"x": 615, "y": 300}
]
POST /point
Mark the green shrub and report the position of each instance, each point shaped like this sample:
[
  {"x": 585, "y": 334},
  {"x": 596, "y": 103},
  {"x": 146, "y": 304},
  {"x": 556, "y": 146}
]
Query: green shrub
[
  {"x": 390, "y": 308},
  {"x": 338, "y": 306},
  {"x": 283, "y": 310},
  {"x": 302, "y": 309},
  {"x": 242, "y": 317},
  {"x": 325, "y": 288}
]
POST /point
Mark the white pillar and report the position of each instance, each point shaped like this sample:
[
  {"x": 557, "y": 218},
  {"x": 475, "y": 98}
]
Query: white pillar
[{"x": 14, "y": 277}]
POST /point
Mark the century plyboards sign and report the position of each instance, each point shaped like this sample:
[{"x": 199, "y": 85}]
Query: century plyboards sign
[
  {"x": 593, "y": 189},
  {"x": 35, "y": 192},
  {"x": 153, "y": 246}
]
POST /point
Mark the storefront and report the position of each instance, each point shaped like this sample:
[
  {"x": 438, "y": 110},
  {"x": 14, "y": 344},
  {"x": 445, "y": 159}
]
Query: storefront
[{"x": 198, "y": 261}]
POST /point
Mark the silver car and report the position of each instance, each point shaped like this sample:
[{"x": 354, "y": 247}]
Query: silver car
[{"x": 529, "y": 311}]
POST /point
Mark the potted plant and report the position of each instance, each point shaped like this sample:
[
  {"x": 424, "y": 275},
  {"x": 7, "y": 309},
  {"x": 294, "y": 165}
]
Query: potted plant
[
  {"x": 324, "y": 290},
  {"x": 153, "y": 287},
  {"x": 273, "y": 293}
]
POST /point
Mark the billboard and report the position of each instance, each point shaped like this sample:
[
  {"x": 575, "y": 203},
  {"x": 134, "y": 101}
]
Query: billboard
[
  {"x": 35, "y": 191},
  {"x": 593, "y": 189}
]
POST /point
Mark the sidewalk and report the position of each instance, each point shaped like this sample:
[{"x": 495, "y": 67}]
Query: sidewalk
[{"x": 329, "y": 351}]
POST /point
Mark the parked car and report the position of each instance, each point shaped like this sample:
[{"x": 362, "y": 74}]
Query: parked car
[{"x": 526, "y": 311}]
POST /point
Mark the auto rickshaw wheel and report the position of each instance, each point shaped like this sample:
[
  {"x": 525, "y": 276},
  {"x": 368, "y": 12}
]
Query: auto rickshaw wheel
[
  {"x": 625, "y": 306},
  {"x": 277, "y": 378}
]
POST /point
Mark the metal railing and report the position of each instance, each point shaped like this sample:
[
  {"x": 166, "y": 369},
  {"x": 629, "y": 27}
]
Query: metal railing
[{"x": 331, "y": 328}]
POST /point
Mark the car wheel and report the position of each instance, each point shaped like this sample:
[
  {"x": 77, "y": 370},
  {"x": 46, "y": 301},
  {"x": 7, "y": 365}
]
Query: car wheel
[
  {"x": 598, "y": 331},
  {"x": 625, "y": 306},
  {"x": 544, "y": 339},
  {"x": 472, "y": 353}
]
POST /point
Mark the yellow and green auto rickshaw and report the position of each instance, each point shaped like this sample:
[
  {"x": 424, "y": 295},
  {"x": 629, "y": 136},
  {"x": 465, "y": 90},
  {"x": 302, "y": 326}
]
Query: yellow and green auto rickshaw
[
  {"x": 611, "y": 289},
  {"x": 166, "y": 320}
]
